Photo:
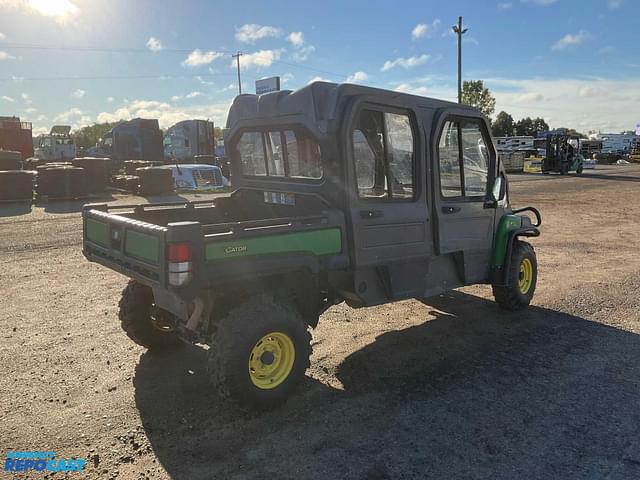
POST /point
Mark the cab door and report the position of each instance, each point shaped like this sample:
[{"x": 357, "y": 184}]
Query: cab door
[
  {"x": 391, "y": 240},
  {"x": 464, "y": 170}
]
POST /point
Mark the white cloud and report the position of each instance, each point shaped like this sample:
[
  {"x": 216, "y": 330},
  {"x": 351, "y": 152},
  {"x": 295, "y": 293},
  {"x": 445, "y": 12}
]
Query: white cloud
[
  {"x": 259, "y": 59},
  {"x": 177, "y": 98},
  {"x": 6, "y": 56},
  {"x": 250, "y": 32},
  {"x": 198, "y": 58},
  {"x": 543, "y": 3},
  {"x": 287, "y": 77},
  {"x": 79, "y": 93},
  {"x": 412, "y": 89},
  {"x": 30, "y": 110},
  {"x": 301, "y": 49},
  {"x": 531, "y": 97},
  {"x": 604, "y": 103},
  {"x": 505, "y": 6},
  {"x": 301, "y": 54},
  {"x": 60, "y": 10},
  {"x": 571, "y": 40},
  {"x": 406, "y": 62},
  {"x": 613, "y": 4},
  {"x": 358, "y": 77},
  {"x": 154, "y": 44},
  {"x": 74, "y": 117},
  {"x": 7, "y": 99},
  {"x": 26, "y": 97},
  {"x": 296, "y": 39},
  {"x": 419, "y": 31},
  {"x": 111, "y": 99},
  {"x": 231, "y": 86},
  {"x": 166, "y": 113},
  {"x": 2, "y": 36}
]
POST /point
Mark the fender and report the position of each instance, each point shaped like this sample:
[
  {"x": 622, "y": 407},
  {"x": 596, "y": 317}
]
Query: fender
[{"x": 511, "y": 226}]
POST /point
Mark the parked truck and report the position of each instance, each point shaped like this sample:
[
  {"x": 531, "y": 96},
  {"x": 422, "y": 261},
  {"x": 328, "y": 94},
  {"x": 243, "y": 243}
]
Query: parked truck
[
  {"x": 16, "y": 135},
  {"x": 57, "y": 145},
  {"x": 187, "y": 139},
  {"x": 344, "y": 193},
  {"x": 137, "y": 139}
]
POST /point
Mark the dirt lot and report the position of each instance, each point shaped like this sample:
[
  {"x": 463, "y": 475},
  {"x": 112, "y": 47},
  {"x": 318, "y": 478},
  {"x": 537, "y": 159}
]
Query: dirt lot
[{"x": 452, "y": 389}]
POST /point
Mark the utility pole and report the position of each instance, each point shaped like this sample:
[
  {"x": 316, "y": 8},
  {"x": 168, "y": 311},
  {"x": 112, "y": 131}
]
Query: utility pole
[
  {"x": 237, "y": 57},
  {"x": 458, "y": 30}
]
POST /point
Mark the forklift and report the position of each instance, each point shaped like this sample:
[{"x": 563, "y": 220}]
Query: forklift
[{"x": 562, "y": 152}]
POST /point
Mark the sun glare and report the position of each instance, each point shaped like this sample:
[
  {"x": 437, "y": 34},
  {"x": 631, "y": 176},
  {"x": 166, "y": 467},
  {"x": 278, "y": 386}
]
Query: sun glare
[{"x": 54, "y": 8}]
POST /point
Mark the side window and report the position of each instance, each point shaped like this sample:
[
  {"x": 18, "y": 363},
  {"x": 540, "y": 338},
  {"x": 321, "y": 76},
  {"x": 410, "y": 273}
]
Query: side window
[
  {"x": 251, "y": 151},
  {"x": 280, "y": 153},
  {"x": 449, "y": 156},
  {"x": 383, "y": 150},
  {"x": 475, "y": 160},
  {"x": 365, "y": 163},
  {"x": 400, "y": 155},
  {"x": 463, "y": 159},
  {"x": 275, "y": 159}
]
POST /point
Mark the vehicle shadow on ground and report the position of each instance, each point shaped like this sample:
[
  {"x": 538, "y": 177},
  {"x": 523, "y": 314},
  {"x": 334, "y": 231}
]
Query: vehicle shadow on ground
[
  {"x": 472, "y": 392},
  {"x": 15, "y": 209}
]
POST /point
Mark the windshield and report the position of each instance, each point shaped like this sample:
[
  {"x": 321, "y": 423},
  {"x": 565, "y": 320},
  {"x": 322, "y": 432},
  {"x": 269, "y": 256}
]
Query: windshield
[{"x": 280, "y": 153}]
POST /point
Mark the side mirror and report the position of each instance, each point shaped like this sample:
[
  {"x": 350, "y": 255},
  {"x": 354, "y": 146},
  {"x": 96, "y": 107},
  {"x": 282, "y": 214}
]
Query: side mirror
[{"x": 492, "y": 198}]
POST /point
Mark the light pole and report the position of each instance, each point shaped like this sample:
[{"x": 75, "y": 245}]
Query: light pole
[{"x": 458, "y": 30}]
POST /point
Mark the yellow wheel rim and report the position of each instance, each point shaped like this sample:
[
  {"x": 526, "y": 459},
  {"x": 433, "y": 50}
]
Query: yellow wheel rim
[
  {"x": 271, "y": 360},
  {"x": 525, "y": 278}
]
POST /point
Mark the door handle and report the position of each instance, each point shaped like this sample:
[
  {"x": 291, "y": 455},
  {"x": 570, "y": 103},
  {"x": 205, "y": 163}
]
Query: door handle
[
  {"x": 449, "y": 210},
  {"x": 365, "y": 214}
]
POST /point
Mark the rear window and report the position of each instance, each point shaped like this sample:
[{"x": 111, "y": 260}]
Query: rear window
[{"x": 280, "y": 153}]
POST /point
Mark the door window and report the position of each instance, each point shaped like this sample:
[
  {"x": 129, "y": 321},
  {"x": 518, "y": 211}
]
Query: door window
[
  {"x": 463, "y": 160},
  {"x": 383, "y": 151}
]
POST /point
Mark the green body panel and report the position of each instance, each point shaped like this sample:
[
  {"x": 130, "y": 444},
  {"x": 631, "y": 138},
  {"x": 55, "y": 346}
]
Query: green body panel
[
  {"x": 317, "y": 242},
  {"x": 97, "y": 232},
  {"x": 507, "y": 224},
  {"x": 143, "y": 246}
]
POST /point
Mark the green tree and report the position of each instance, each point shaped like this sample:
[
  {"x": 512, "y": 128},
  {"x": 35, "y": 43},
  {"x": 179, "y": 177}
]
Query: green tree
[
  {"x": 88, "y": 136},
  {"x": 525, "y": 127},
  {"x": 539, "y": 126},
  {"x": 474, "y": 93},
  {"x": 503, "y": 125},
  {"x": 217, "y": 134}
]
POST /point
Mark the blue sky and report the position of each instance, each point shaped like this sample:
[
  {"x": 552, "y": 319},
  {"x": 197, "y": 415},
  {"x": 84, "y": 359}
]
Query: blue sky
[{"x": 576, "y": 63}]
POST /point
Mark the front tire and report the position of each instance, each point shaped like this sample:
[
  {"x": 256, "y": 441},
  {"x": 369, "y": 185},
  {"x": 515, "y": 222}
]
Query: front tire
[
  {"x": 521, "y": 279},
  {"x": 259, "y": 353},
  {"x": 142, "y": 321}
]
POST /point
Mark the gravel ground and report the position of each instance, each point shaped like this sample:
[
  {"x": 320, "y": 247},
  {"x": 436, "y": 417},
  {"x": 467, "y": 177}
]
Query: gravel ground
[{"x": 449, "y": 388}]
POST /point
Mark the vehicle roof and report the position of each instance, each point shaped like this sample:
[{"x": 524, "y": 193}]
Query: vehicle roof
[{"x": 318, "y": 101}]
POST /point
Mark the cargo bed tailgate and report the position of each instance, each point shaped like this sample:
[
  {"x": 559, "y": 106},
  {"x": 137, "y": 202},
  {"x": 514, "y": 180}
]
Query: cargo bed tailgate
[{"x": 129, "y": 246}]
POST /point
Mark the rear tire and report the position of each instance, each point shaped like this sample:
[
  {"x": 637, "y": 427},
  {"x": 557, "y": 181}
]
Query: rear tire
[
  {"x": 259, "y": 353},
  {"x": 137, "y": 319},
  {"x": 522, "y": 278}
]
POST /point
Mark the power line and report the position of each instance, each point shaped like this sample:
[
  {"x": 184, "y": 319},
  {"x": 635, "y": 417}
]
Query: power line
[
  {"x": 116, "y": 77},
  {"x": 31, "y": 46},
  {"x": 27, "y": 46}
]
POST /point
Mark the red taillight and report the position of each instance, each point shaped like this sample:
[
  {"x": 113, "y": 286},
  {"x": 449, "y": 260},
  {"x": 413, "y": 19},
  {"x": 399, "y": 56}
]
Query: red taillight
[
  {"x": 179, "y": 264},
  {"x": 179, "y": 252}
]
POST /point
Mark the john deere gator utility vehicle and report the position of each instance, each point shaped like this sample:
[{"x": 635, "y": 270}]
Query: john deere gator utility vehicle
[{"x": 343, "y": 193}]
